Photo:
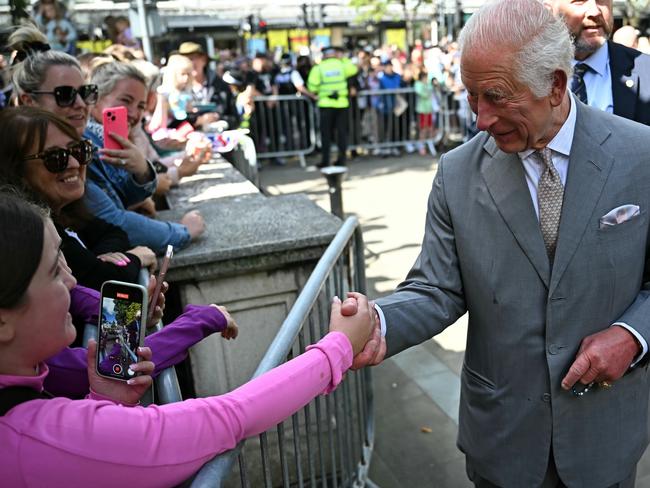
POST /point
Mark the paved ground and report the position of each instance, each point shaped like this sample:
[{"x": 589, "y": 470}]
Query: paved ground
[{"x": 417, "y": 391}]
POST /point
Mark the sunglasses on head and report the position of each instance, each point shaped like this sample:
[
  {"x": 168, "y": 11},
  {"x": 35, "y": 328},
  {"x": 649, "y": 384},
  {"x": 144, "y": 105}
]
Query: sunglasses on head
[
  {"x": 55, "y": 159},
  {"x": 65, "y": 95}
]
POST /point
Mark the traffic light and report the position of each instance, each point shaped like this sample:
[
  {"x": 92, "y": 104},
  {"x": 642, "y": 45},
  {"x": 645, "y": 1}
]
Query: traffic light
[{"x": 261, "y": 26}]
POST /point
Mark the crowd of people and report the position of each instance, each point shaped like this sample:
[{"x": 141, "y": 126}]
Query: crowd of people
[
  {"x": 76, "y": 212},
  {"x": 537, "y": 227}
]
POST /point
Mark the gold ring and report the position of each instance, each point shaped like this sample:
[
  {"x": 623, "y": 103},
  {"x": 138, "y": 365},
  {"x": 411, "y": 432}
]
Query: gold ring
[{"x": 605, "y": 384}]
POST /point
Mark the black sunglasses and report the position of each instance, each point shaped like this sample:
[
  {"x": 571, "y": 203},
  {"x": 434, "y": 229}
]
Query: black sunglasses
[
  {"x": 56, "y": 159},
  {"x": 66, "y": 95}
]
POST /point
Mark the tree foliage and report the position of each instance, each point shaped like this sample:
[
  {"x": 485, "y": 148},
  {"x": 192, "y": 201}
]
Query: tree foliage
[
  {"x": 126, "y": 312},
  {"x": 375, "y": 10}
]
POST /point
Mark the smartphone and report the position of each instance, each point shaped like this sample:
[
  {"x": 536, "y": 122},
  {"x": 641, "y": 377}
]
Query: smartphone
[
  {"x": 121, "y": 328},
  {"x": 159, "y": 280},
  {"x": 115, "y": 122}
]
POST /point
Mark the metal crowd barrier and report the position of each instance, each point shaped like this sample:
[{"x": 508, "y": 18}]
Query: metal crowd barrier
[
  {"x": 283, "y": 126},
  {"x": 456, "y": 120},
  {"x": 383, "y": 119},
  {"x": 379, "y": 120},
  {"x": 330, "y": 441}
]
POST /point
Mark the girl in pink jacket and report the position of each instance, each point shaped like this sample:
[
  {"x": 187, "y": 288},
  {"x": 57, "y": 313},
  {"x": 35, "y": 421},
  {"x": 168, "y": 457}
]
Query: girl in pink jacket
[{"x": 106, "y": 438}]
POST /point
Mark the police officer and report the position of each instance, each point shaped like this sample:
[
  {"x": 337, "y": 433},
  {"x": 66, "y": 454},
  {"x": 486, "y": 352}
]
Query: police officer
[{"x": 329, "y": 80}]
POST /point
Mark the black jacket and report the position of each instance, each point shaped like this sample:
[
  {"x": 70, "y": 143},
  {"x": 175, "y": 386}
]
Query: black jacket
[
  {"x": 630, "y": 70},
  {"x": 98, "y": 237}
]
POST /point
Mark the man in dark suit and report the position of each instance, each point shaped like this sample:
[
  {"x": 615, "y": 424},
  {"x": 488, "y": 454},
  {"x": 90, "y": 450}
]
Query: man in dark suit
[
  {"x": 538, "y": 228},
  {"x": 609, "y": 76}
]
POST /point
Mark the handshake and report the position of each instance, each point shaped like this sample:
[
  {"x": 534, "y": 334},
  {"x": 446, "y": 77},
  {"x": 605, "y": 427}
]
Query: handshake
[{"x": 357, "y": 318}]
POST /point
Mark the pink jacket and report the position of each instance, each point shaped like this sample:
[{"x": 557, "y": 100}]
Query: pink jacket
[{"x": 62, "y": 442}]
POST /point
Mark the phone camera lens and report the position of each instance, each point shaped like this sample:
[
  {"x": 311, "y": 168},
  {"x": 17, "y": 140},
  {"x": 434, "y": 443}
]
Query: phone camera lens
[
  {"x": 113, "y": 119},
  {"x": 110, "y": 114}
]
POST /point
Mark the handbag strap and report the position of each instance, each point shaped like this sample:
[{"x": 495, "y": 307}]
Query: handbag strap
[{"x": 15, "y": 395}]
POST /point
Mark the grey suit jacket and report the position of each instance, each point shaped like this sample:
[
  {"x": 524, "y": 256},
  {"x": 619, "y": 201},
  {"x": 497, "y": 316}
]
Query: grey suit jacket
[{"x": 483, "y": 252}]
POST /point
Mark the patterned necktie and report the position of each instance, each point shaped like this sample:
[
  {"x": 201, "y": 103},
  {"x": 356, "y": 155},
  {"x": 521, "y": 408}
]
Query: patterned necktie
[
  {"x": 578, "y": 81},
  {"x": 549, "y": 198}
]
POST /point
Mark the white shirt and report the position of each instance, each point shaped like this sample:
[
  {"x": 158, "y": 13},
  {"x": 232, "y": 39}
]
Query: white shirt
[
  {"x": 598, "y": 80},
  {"x": 560, "y": 147}
]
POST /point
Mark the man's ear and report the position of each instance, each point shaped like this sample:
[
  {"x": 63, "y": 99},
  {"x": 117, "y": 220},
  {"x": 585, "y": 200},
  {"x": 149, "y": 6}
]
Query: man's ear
[
  {"x": 7, "y": 327},
  {"x": 559, "y": 87}
]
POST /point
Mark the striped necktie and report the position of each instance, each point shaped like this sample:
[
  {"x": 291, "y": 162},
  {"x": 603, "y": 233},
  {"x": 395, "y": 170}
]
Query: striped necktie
[{"x": 578, "y": 81}]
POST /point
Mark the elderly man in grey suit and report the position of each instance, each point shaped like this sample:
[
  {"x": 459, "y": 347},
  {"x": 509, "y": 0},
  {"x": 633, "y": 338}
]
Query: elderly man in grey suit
[{"x": 538, "y": 227}]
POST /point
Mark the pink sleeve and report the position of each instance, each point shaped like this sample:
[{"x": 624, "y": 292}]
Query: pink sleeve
[{"x": 95, "y": 443}]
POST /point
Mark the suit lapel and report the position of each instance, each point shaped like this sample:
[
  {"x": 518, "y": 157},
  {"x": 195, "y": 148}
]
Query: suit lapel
[
  {"x": 505, "y": 180},
  {"x": 624, "y": 96},
  {"x": 589, "y": 168}
]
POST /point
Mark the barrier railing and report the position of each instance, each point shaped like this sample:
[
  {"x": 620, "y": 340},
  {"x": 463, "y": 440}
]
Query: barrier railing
[
  {"x": 330, "y": 441},
  {"x": 378, "y": 121},
  {"x": 283, "y": 126}
]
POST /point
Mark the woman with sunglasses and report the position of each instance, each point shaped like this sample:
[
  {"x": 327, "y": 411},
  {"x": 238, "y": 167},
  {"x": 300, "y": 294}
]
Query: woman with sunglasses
[
  {"x": 97, "y": 441},
  {"x": 53, "y": 81},
  {"x": 49, "y": 79},
  {"x": 43, "y": 155}
]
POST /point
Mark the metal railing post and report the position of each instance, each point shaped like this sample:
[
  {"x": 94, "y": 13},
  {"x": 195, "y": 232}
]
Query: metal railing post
[{"x": 334, "y": 176}]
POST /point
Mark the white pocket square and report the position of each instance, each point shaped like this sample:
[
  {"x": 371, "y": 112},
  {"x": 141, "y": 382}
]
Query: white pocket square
[{"x": 619, "y": 215}]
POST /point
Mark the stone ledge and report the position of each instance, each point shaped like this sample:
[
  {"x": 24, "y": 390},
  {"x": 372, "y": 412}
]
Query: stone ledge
[{"x": 252, "y": 232}]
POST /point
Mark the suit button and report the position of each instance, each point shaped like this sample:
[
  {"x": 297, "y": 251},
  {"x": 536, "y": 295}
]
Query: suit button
[
  {"x": 553, "y": 349},
  {"x": 546, "y": 397}
]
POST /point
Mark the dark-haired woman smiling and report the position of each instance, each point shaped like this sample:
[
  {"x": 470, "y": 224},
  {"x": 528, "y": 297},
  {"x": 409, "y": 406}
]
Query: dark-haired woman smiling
[{"x": 44, "y": 156}]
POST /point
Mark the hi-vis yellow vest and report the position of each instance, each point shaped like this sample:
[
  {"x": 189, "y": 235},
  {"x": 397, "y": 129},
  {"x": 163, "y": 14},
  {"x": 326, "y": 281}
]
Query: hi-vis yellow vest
[{"x": 329, "y": 80}]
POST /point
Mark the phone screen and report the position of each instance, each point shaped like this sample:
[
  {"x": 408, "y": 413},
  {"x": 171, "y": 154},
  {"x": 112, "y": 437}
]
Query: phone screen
[{"x": 120, "y": 329}]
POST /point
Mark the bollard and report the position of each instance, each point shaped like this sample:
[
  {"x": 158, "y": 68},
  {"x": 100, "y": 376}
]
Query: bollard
[{"x": 334, "y": 175}]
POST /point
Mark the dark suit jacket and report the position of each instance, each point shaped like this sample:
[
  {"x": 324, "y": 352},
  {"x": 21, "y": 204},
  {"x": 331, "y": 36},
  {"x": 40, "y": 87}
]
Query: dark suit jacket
[{"x": 630, "y": 71}]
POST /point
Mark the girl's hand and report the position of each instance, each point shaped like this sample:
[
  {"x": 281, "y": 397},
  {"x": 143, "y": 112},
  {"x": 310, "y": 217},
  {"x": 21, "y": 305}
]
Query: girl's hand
[
  {"x": 232, "y": 330},
  {"x": 129, "y": 392}
]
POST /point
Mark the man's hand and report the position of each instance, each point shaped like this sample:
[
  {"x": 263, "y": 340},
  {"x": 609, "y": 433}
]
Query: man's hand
[
  {"x": 604, "y": 356},
  {"x": 374, "y": 350}
]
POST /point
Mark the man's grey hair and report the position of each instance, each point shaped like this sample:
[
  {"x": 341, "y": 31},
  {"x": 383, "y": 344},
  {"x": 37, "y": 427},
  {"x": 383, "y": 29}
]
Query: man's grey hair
[
  {"x": 541, "y": 43},
  {"x": 107, "y": 75}
]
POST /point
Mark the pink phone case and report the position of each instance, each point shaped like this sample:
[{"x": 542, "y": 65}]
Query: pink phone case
[{"x": 115, "y": 122}]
